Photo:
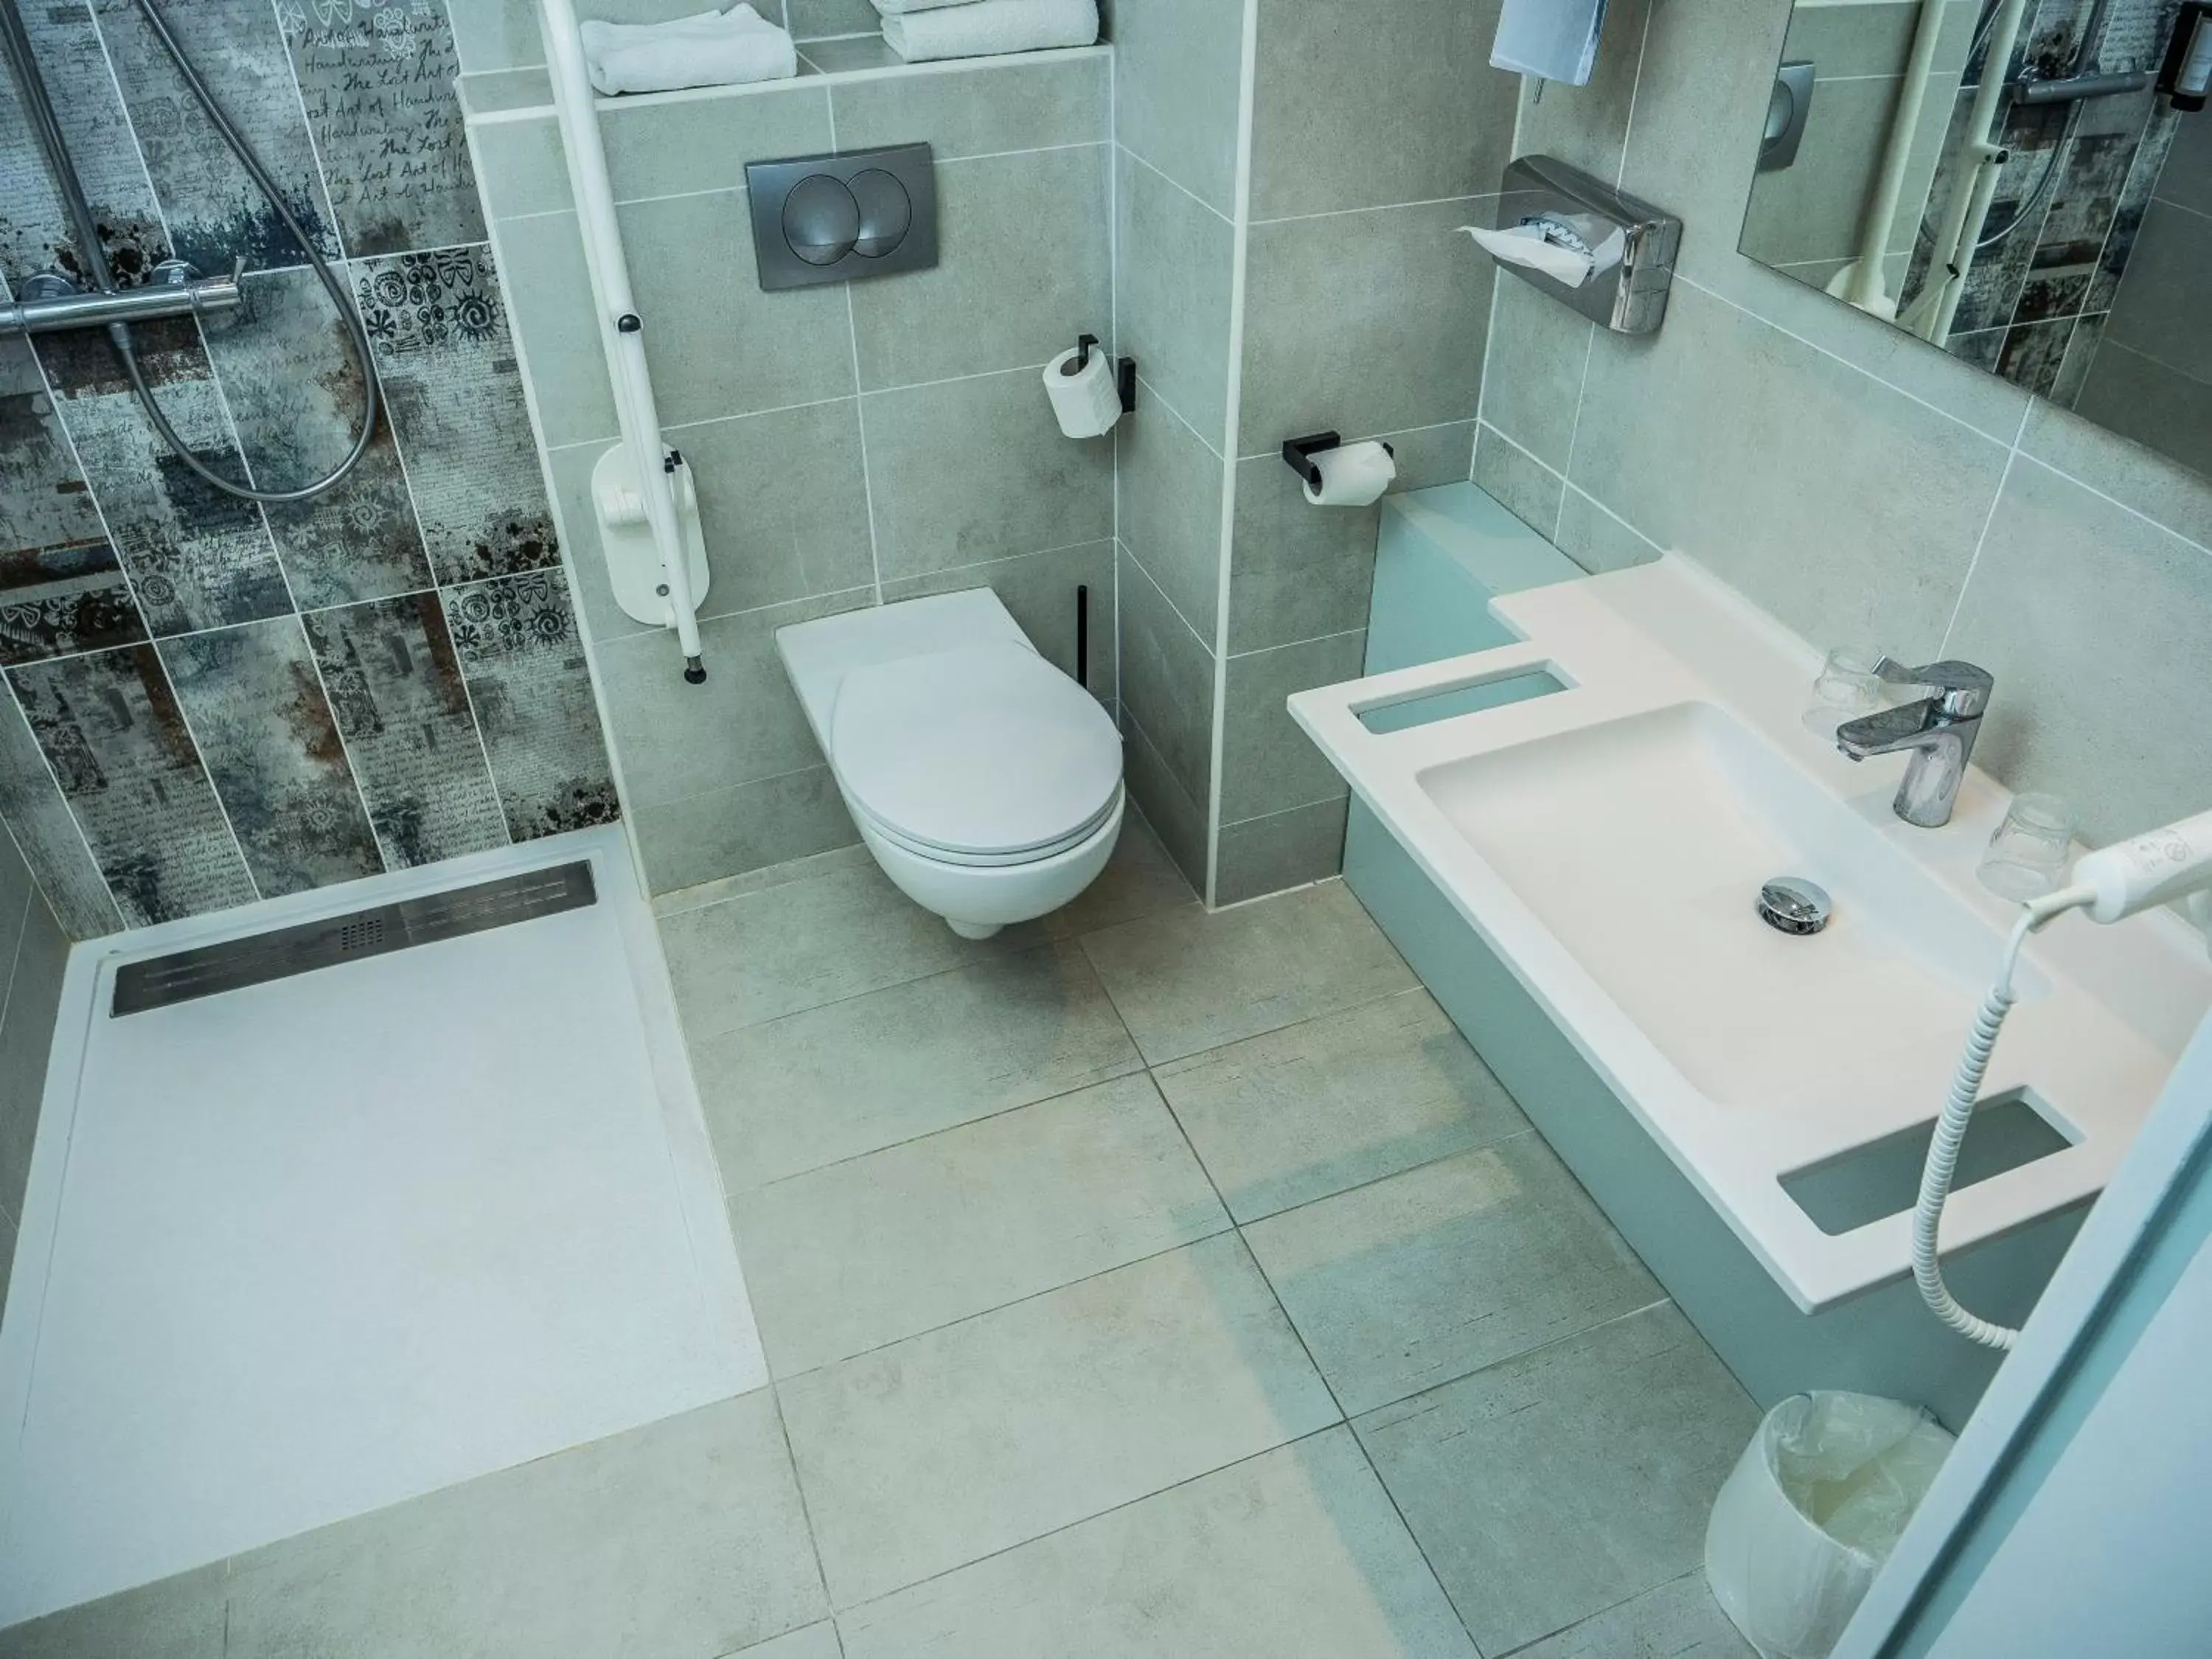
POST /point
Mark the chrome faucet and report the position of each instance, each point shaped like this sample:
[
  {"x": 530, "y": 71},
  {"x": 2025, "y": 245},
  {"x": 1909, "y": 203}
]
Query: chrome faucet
[{"x": 1939, "y": 730}]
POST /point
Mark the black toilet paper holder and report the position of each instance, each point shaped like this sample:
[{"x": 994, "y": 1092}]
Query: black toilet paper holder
[
  {"x": 1299, "y": 453},
  {"x": 1125, "y": 371}
]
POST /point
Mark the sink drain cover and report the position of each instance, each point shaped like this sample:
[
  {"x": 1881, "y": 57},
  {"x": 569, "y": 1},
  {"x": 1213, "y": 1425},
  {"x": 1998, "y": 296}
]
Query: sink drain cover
[{"x": 1793, "y": 905}]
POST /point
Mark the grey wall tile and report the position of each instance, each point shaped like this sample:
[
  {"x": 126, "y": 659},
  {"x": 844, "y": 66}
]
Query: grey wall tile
[
  {"x": 63, "y": 587},
  {"x": 522, "y": 656},
  {"x": 1173, "y": 260},
  {"x": 714, "y": 342},
  {"x": 491, "y": 35},
  {"x": 26, "y": 1039},
  {"x": 1169, "y": 483},
  {"x": 1594, "y": 539},
  {"x": 1039, "y": 590},
  {"x": 2064, "y": 577},
  {"x": 1267, "y": 764},
  {"x": 2158, "y": 487},
  {"x": 983, "y": 107},
  {"x": 456, "y": 404},
  {"x": 692, "y": 145},
  {"x": 549, "y": 296},
  {"x": 1329, "y": 81},
  {"x": 1177, "y": 69},
  {"x": 742, "y": 724},
  {"x": 1430, "y": 455},
  {"x": 783, "y": 511},
  {"x": 2138, "y": 397},
  {"x": 1586, "y": 126},
  {"x": 264, "y": 728},
  {"x": 496, "y": 91},
  {"x": 1531, "y": 374},
  {"x": 395, "y": 684},
  {"x": 2186, "y": 180},
  {"x": 111, "y": 728},
  {"x": 519, "y": 166},
  {"x": 1363, "y": 322},
  {"x": 1023, "y": 268},
  {"x": 46, "y": 833},
  {"x": 1284, "y": 849},
  {"x": 976, "y": 469},
  {"x": 215, "y": 213},
  {"x": 1752, "y": 473},
  {"x": 196, "y": 558},
  {"x": 287, "y": 361},
  {"x": 2151, "y": 311},
  {"x": 1533, "y": 493},
  {"x": 747, "y": 826},
  {"x": 1178, "y": 819},
  {"x": 395, "y": 160},
  {"x": 1296, "y": 571},
  {"x": 1167, "y": 683},
  {"x": 845, "y": 53},
  {"x": 812, "y": 20}
]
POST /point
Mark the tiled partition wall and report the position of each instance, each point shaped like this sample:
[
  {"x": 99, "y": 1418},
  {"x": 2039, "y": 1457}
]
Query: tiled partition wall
[
  {"x": 34, "y": 952},
  {"x": 1291, "y": 180},
  {"x": 850, "y": 444},
  {"x": 207, "y": 703},
  {"x": 1857, "y": 484}
]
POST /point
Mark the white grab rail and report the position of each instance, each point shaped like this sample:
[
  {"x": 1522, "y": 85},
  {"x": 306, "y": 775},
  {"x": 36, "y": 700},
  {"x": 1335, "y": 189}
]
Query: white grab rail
[{"x": 621, "y": 330}]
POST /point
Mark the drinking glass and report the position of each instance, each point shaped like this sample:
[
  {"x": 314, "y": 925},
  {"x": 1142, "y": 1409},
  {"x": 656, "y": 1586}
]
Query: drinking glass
[{"x": 2032, "y": 849}]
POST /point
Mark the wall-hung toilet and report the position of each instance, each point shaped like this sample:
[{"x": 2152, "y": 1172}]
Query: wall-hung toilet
[{"x": 986, "y": 783}]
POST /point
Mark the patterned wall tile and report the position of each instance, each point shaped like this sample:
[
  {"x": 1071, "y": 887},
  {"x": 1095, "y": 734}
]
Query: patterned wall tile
[
  {"x": 61, "y": 590},
  {"x": 266, "y": 731},
  {"x": 524, "y": 656},
  {"x": 377, "y": 77},
  {"x": 215, "y": 212},
  {"x": 52, "y": 844},
  {"x": 287, "y": 370},
  {"x": 438, "y": 323},
  {"x": 403, "y": 708},
  {"x": 197, "y": 558},
  {"x": 110, "y": 727},
  {"x": 34, "y": 230}
]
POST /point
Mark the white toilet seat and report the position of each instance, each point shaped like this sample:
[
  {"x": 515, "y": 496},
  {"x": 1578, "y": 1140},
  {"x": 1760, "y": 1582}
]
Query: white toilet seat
[{"x": 984, "y": 755}]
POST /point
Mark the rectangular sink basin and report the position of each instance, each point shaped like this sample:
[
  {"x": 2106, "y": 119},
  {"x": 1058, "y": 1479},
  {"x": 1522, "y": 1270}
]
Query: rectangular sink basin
[{"x": 1642, "y": 844}]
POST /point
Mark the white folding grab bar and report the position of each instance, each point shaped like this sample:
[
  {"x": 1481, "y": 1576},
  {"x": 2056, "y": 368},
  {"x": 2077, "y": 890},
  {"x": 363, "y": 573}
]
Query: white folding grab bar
[{"x": 621, "y": 330}]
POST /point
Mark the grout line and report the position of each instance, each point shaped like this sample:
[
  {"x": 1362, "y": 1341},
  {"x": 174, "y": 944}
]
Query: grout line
[
  {"x": 1635, "y": 87},
  {"x": 1287, "y": 645},
  {"x": 1181, "y": 420},
  {"x": 1388, "y": 431},
  {"x": 1559, "y": 508},
  {"x": 1576, "y": 489},
  {"x": 1240, "y": 260},
  {"x": 1981, "y": 541},
  {"x": 1283, "y": 812},
  {"x": 1203, "y": 644},
  {"x": 1376, "y": 207},
  {"x": 1176, "y": 184}
]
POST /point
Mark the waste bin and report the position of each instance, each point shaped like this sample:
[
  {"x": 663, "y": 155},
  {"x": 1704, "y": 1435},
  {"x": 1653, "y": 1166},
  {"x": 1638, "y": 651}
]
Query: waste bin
[{"x": 1813, "y": 1508}]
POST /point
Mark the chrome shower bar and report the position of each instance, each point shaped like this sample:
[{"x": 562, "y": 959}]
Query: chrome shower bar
[{"x": 49, "y": 306}]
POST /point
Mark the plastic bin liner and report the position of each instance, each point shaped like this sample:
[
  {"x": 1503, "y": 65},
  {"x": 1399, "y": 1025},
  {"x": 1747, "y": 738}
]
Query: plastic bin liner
[{"x": 1814, "y": 1506}]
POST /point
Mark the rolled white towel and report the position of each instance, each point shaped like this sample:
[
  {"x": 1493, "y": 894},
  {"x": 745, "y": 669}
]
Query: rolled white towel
[
  {"x": 983, "y": 28},
  {"x": 713, "y": 49}
]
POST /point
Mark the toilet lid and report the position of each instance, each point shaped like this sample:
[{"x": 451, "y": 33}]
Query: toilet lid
[{"x": 986, "y": 748}]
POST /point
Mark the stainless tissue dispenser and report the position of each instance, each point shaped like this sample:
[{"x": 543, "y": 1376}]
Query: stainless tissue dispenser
[{"x": 1631, "y": 298}]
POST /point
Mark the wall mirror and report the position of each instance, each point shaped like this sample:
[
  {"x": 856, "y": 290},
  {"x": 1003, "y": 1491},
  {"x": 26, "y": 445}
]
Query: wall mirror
[{"x": 2025, "y": 184}]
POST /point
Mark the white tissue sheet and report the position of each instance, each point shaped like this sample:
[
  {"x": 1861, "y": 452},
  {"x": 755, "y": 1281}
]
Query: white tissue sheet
[
  {"x": 984, "y": 28},
  {"x": 1551, "y": 40},
  {"x": 711, "y": 49},
  {"x": 1528, "y": 245}
]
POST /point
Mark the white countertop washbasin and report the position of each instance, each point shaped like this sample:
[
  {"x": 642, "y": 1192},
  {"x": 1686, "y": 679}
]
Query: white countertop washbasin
[{"x": 1608, "y": 842}]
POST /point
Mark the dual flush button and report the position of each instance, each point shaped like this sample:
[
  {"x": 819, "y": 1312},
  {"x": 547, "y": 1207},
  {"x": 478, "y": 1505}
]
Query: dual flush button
[{"x": 833, "y": 218}]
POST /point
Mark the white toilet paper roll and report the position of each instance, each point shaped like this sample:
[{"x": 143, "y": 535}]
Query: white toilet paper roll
[
  {"x": 1085, "y": 401},
  {"x": 1351, "y": 475}
]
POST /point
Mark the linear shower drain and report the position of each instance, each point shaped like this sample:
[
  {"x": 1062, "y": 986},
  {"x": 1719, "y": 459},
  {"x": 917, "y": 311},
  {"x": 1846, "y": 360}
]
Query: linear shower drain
[{"x": 212, "y": 970}]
